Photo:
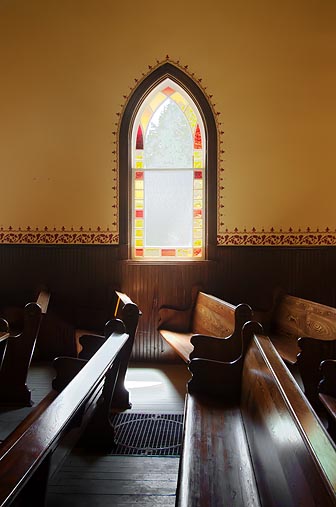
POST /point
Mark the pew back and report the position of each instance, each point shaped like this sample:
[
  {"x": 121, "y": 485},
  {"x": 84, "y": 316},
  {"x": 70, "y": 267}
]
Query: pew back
[
  {"x": 296, "y": 317},
  {"x": 265, "y": 447},
  {"x": 293, "y": 458},
  {"x": 26, "y": 454}
]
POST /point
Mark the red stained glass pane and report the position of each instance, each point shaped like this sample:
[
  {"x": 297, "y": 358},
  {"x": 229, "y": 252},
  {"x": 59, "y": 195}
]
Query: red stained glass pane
[
  {"x": 139, "y": 139},
  {"x": 139, "y": 175},
  {"x": 139, "y": 252},
  {"x": 198, "y": 138},
  {"x": 168, "y": 252},
  {"x": 168, "y": 90},
  {"x": 197, "y": 252},
  {"x": 139, "y": 213},
  {"x": 197, "y": 213},
  {"x": 198, "y": 175}
]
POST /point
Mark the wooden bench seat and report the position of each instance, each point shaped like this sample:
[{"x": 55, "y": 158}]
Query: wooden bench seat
[
  {"x": 35, "y": 449},
  {"x": 257, "y": 442},
  {"x": 202, "y": 329}
]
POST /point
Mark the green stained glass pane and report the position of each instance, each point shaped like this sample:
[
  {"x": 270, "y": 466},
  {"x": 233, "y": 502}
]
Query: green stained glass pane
[
  {"x": 152, "y": 252},
  {"x": 184, "y": 252},
  {"x": 198, "y": 223},
  {"x": 191, "y": 116}
]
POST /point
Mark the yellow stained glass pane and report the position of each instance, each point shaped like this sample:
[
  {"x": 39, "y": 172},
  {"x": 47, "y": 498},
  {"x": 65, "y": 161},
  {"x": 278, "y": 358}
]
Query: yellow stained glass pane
[
  {"x": 157, "y": 100},
  {"x": 139, "y": 242},
  {"x": 191, "y": 117},
  {"x": 139, "y": 165},
  {"x": 152, "y": 252},
  {"x": 139, "y": 233},
  {"x": 198, "y": 194},
  {"x": 197, "y": 242},
  {"x": 197, "y": 233},
  {"x": 198, "y": 159},
  {"x": 139, "y": 204},
  {"x": 197, "y": 223},
  {"x": 180, "y": 100},
  {"x": 197, "y": 204},
  {"x": 145, "y": 117},
  {"x": 184, "y": 252},
  {"x": 139, "y": 194},
  {"x": 139, "y": 223},
  {"x": 198, "y": 184},
  {"x": 138, "y": 184}
]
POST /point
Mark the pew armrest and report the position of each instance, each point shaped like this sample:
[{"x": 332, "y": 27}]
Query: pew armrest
[{"x": 212, "y": 347}]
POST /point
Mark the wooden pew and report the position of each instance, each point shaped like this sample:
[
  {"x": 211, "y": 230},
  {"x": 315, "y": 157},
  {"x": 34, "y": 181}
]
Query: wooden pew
[
  {"x": 327, "y": 393},
  {"x": 208, "y": 328},
  {"x": 257, "y": 442},
  {"x": 31, "y": 453},
  {"x": 127, "y": 311},
  {"x": 18, "y": 353},
  {"x": 292, "y": 317}
]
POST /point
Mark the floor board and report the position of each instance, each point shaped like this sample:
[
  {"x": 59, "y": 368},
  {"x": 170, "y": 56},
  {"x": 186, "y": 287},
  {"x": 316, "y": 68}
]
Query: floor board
[{"x": 106, "y": 480}]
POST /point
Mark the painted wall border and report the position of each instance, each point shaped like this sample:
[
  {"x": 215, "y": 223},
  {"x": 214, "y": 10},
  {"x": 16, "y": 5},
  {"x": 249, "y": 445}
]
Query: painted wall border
[{"x": 99, "y": 236}]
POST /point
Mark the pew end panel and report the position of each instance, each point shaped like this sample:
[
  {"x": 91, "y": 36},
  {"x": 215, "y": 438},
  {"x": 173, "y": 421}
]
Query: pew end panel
[{"x": 127, "y": 314}]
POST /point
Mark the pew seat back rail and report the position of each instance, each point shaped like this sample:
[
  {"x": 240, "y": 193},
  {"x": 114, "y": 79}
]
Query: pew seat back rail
[
  {"x": 292, "y": 317},
  {"x": 208, "y": 328},
  {"x": 261, "y": 445}
]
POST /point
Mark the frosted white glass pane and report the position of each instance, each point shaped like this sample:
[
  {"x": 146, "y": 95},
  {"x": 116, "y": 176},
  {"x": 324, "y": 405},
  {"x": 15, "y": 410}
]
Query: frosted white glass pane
[
  {"x": 168, "y": 208},
  {"x": 168, "y": 141}
]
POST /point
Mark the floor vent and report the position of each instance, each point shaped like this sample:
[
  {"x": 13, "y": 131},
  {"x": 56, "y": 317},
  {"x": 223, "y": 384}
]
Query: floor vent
[{"x": 148, "y": 434}]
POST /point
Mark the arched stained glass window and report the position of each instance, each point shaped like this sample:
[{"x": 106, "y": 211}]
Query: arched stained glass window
[{"x": 168, "y": 176}]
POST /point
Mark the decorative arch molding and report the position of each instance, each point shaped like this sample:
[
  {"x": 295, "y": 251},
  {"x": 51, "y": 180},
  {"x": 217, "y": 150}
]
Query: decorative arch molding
[{"x": 183, "y": 78}]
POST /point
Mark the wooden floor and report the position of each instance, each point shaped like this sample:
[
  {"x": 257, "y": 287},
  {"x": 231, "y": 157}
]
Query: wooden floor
[{"x": 104, "y": 480}]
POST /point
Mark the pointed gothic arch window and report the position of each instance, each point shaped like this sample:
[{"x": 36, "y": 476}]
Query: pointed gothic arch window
[{"x": 171, "y": 156}]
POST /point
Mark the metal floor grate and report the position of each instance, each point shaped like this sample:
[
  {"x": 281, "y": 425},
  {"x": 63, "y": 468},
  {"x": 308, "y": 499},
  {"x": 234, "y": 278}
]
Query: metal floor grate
[{"x": 148, "y": 434}]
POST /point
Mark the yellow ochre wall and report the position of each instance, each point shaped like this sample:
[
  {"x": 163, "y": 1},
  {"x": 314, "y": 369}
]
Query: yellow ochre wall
[{"x": 68, "y": 67}]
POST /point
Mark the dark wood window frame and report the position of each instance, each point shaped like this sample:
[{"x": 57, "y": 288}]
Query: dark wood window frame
[{"x": 167, "y": 70}]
